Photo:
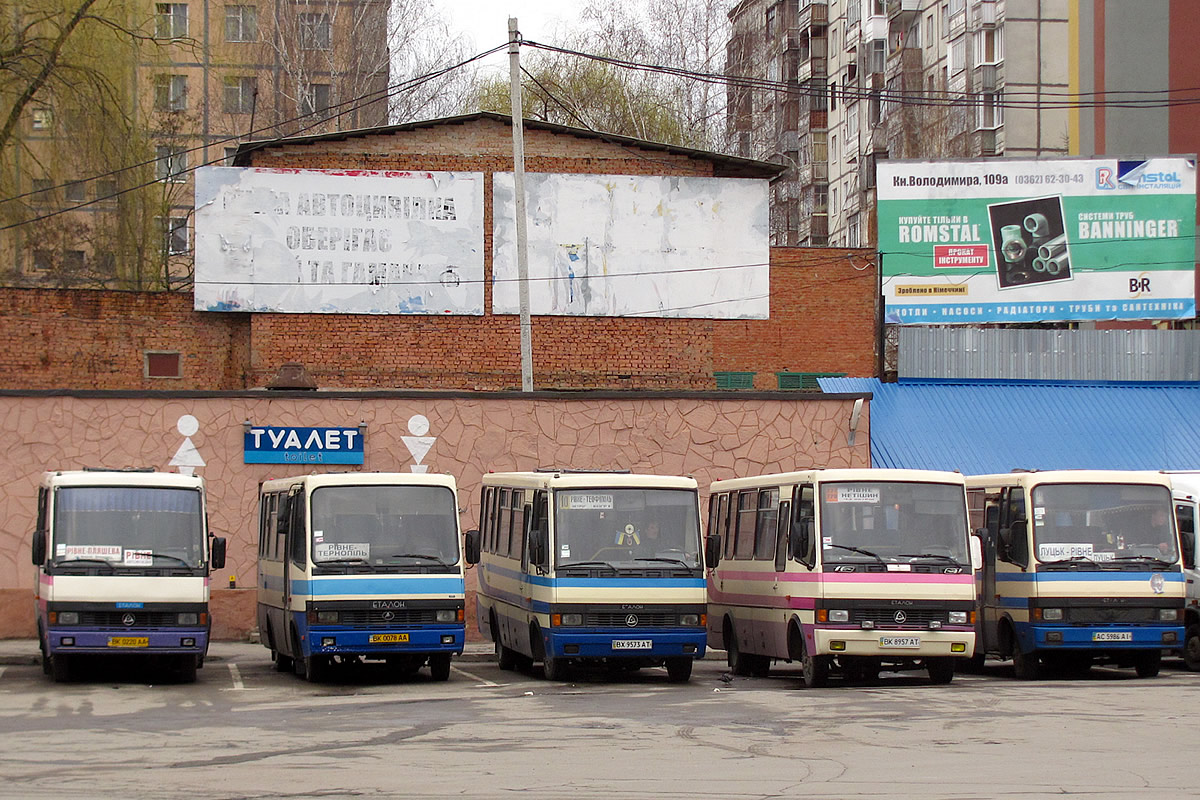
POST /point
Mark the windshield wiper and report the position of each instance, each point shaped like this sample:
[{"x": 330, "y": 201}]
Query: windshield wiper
[
  {"x": 62, "y": 562},
  {"x": 174, "y": 558},
  {"x": 942, "y": 556},
  {"x": 859, "y": 550},
  {"x": 1155, "y": 559},
  {"x": 347, "y": 560},
  {"x": 1075, "y": 560},
  {"x": 668, "y": 560},
  {"x": 424, "y": 556},
  {"x": 608, "y": 564}
]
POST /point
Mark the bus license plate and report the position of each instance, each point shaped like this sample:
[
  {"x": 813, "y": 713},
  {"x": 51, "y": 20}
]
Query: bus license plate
[
  {"x": 899, "y": 641},
  {"x": 128, "y": 641},
  {"x": 387, "y": 638},
  {"x": 632, "y": 644},
  {"x": 1112, "y": 636}
]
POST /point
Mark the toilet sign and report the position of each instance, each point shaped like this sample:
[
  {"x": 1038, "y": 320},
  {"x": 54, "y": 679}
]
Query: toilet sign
[{"x": 268, "y": 444}]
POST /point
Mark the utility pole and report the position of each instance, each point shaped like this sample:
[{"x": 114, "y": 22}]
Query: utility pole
[{"x": 518, "y": 132}]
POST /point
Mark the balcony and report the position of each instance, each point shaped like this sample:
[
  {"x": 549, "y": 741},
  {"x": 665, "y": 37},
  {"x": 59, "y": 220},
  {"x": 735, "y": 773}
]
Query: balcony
[
  {"x": 903, "y": 60},
  {"x": 986, "y": 77},
  {"x": 984, "y": 13},
  {"x": 815, "y": 14},
  {"x": 958, "y": 25},
  {"x": 896, "y": 8},
  {"x": 988, "y": 142},
  {"x": 819, "y": 226},
  {"x": 815, "y": 67}
]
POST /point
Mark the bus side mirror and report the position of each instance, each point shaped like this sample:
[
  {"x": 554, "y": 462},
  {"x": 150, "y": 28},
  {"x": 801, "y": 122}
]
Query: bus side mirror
[
  {"x": 976, "y": 545},
  {"x": 216, "y": 553},
  {"x": 712, "y": 551},
  {"x": 472, "y": 547},
  {"x": 39, "y": 548}
]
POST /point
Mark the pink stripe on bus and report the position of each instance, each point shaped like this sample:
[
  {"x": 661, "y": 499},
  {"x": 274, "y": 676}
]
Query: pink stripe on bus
[{"x": 848, "y": 577}]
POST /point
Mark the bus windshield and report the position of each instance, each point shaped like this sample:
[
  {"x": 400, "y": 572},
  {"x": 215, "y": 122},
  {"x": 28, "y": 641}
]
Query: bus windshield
[
  {"x": 384, "y": 525},
  {"x": 1103, "y": 522},
  {"x": 129, "y": 526},
  {"x": 632, "y": 527},
  {"x": 893, "y": 522}
]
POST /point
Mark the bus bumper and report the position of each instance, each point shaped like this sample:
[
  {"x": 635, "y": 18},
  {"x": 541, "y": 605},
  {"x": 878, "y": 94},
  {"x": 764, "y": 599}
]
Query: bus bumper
[
  {"x": 894, "y": 644},
  {"x": 127, "y": 641},
  {"x": 381, "y": 642},
  {"x": 624, "y": 643},
  {"x": 1084, "y": 637}
]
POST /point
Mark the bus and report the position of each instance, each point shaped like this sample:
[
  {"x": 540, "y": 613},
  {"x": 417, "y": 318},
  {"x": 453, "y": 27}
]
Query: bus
[
  {"x": 843, "y": 571},
  {"x": 590, "y": 568},
  {"x": 123, "y": 559},
  {"x": 1080, "y": 567},
  {"x": 360, "y": 566},
  {"x": 1185, "y": 487}
]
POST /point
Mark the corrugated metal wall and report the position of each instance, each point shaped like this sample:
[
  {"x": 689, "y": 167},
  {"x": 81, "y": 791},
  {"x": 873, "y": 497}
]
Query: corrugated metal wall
[{"x": 1049, "y": 355}]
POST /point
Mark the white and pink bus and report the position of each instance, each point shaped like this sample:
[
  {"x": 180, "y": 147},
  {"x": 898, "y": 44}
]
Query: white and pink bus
[{"x": 842, "y": 570}]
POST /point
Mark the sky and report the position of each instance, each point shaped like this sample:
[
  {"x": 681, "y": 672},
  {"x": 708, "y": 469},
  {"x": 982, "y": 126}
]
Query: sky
[{"x": 486, "y": 21}]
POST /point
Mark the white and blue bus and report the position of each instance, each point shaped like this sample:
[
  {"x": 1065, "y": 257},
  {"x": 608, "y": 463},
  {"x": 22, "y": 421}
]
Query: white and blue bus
[
  {"x": 360, "y": 566},
  {"x": 123, "y": 560},
  {"x": 590, "y": 567}
]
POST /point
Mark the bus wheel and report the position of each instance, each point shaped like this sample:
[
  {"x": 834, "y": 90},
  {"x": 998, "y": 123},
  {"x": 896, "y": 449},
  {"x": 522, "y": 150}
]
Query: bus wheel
[
  {"x": 738, "y": 662},
  {"x": 760, "y": 666},
  {"x": 61, "y": 668},
  {"x": 1148, "y": 663},
  {"x": 439, "y": 666},
  {"x": 555, "y": 669},
  {"x": 814, "y": 668},
  {"x": 185, "y": 669},
  {"x": 282, "y": 663},
  {"x": 1191, "y": 647},
  {"x": 45, "y": 656},
  {"x": 1026, "y": 666},
  {"x": 506, "y": 658},
  {"x": 941, "y": 670},
  {"x": 314, "y": 669},
  {"x": 679, "y": 669}
]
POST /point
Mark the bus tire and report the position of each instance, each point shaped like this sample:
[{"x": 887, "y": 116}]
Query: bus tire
[
  {"x": 679, "y": 669},
  {"x": 555, "y": 669},
  {"x": 760, "y": 666},
  {"x": 61, "y": 668},
  {"x": 314, "y": 669},
  {"x": 185, "y": 668},
  {"x": 738, "y": 662},
  {"x": 814, "y": 668},
  {"x": 1026, "y": 666},
  {"x": 941, "y": 670},
  {"x": 1191, "y": 647},
  {"x": 282, "y": 663},
  {"x": 45, "y": 655},
  {"x": 506, "y": 658},
  {"x": 1148, "y": 663},
  {"x": 439, "y": 666}
]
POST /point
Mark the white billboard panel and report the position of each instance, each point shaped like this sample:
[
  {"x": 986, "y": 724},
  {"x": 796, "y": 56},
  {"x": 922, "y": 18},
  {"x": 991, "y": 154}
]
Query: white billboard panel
[
  {"x": 625, "y": 245},
  {"x": 339, "y": 241}
]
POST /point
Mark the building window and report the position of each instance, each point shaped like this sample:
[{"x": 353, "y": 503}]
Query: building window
[
  {"x": 43, "y": 260},
  {"x": 929, "y": 33},
  {"x": 104, "y": 263},
  {"x": 43, "y": 190},
  {"x": 175, "y": 235},
  {"x": 957, "y": 6},
  {"x": 958, "y": 55},
  {"x": 852, "y": 133},
  {"x": 315, "y": 32},
  {"x": 241, "y": 24},
  {"x": 852, "y": 231},
  {"x": 877, "y": 56},
  {"x": 820, "y": 198},
  {"x": 74, "y": 261},
  {"x": 833, "y": 149},
  {"x": 161, "y": 364},
  {"x": 991, "y": 112},
  {"x": 772, "y": 22},
  {"x": 315, "y": 99},
  {"x": 853, "y": 11},
  {"x": 42, "y": 120},
  {"x": 239, "y": 94},
  {"x": 988, "y": 46},
  {"x": 106, "y": 190},
  {"x": 171, "y": 165},
  {"x": 76, "y": 192},
  {"x": 170, "y": 92},
  {"x": 171, "y": 21},
  {"x": 878, "y": 8}
]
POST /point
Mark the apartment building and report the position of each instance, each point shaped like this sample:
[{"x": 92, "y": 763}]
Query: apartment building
[
  {"x": 850, "y": 82},
  {"x": 202, "y": 77}
]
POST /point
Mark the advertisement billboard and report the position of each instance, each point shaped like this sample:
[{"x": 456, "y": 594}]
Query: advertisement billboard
[
  {"x": 635, "y": 245},
  {"x": 339, "y": 241},
  {"x": 1037, "y": 240}
]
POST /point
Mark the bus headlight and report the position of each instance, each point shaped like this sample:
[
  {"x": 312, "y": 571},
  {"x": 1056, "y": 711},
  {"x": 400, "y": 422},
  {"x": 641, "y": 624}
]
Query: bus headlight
[
  {"x": 327, "y": 616},
  {"x": 188, "y": 618},
  {"x": 68, "y": 617},
  {"x": 689, "y": 619},
  {"x": 446, "y": 615},
  {"x": 572, "y": 619},
  {"x": 1052, "y": 613},
  {"x": 958, "y": 618},
  {"x": 1164, "y": 614},
  {"x": 839, "y": 615}
]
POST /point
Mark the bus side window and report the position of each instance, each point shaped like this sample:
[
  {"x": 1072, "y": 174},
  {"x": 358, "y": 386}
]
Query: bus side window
[
  {"x": 503, "y": 522},
  {"x": 767, "y": 524},
  {"x": 1185, "y": 520},
  {"x": 747, "y": 513},
  {"x": 781, "y": 535},
  {"x": 516, "y": 546},
  {"x": 39, "y": 533},
  {"x": 486, "y": 520},
  {"x": 723, "y": 525},
  {"x": 1013, "y": 545},
  {"x": 297, "y": 531},
  {"x": 539, "y": 533},
  {"x": 805, "y": 504}
]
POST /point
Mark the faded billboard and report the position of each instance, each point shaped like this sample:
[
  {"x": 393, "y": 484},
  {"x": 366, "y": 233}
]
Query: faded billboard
[
  {"x": 339, "y": 241},
  {"x": 625, "y": 245},
  {"x": 1010, "y": 240}
]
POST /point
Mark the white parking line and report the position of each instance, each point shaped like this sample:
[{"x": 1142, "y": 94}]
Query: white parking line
[
  {"x": 236, "y": 674},
  {"x": 476, "y": 678}
]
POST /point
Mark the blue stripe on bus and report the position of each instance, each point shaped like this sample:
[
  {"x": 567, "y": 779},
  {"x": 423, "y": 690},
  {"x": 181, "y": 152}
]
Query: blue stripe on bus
[
  {"x": 637, "y": 583},
  {"x": 1017, "y": 577},
  {"x": 318, "y": 587}
]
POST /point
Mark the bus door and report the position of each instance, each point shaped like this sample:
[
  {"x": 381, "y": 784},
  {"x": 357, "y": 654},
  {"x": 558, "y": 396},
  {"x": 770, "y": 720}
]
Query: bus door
[
  {"x": 988, "y": 601},
  {"x": 295, "y": 560}
]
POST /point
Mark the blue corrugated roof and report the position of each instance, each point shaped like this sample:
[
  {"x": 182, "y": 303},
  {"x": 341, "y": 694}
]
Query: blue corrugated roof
[{"x": 996, "y": 427}]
